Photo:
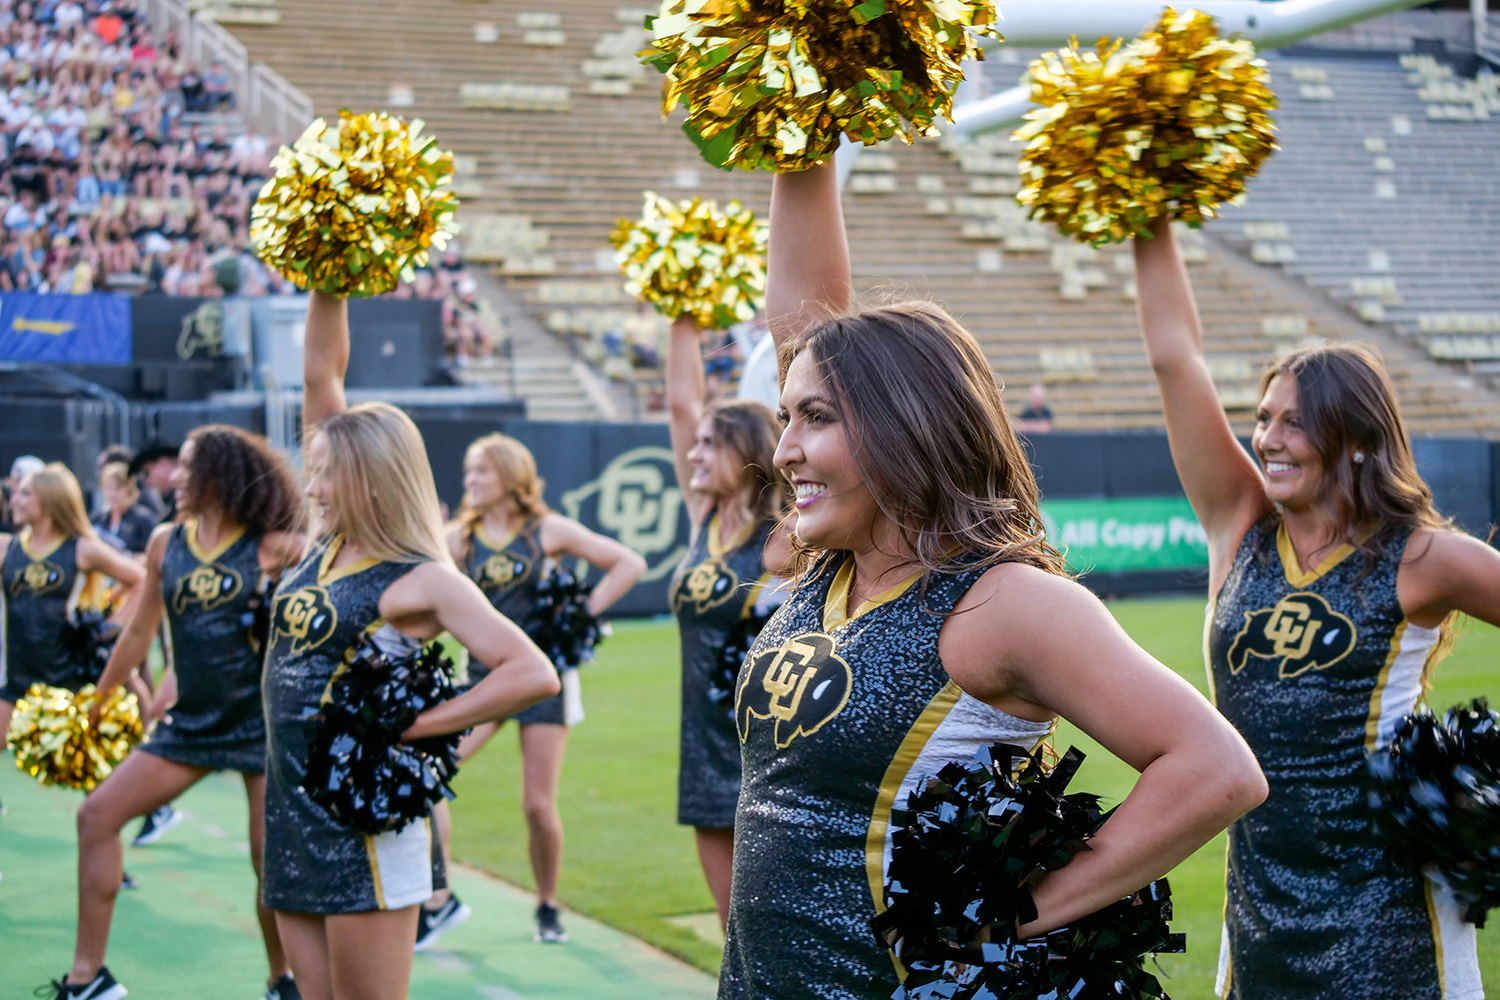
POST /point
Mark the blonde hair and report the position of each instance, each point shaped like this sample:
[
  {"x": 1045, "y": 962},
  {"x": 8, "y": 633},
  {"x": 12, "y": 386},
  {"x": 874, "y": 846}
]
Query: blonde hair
[
  {"x": 516, "y": 466},
  {"x": 118, "y": 474},
  {"x": 387, "y": 502},
  {"x": 61, "y": 500}
]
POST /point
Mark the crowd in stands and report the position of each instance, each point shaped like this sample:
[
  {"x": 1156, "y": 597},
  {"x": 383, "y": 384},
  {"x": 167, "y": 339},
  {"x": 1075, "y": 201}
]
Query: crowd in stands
[{"x": 114, "y": 180}]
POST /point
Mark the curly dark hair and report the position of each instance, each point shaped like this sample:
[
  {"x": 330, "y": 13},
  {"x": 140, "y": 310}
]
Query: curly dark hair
[{"x": 243, "y": 474}]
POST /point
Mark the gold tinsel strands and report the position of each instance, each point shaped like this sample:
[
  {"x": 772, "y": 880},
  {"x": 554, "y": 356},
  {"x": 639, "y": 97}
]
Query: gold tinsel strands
[
  {"x": 773, "y": 84},
  {"x": 692, "y": 258},
  {"x": 53, "y": 742},
  {"x": 354, "y": 206},
  {"x": 1174, "y": 123}
]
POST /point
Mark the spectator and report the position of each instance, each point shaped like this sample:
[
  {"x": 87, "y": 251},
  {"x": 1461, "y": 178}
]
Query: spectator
[
  {"x": 218, "y": 88},
  {"x": 1037, "y": 417},
  {"x": 124, "y": 519},
  {"x": 22, "y": 467},
  {"x": 36, "y": 135},
  {"x": 153, "y": 467},
  {"x": 24, "y": 214}
]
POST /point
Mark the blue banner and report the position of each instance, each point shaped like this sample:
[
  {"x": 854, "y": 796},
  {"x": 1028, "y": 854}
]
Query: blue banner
[{"x": 65, "y": 329}]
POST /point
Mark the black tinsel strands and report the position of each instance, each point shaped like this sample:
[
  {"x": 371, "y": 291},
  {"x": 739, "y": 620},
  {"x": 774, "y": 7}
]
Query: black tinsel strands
[
  {"x": 257, "y": 615},
  {"x": 1435, "y": 794},
  {"x": 358, "y": 769},
  {"x": 88, "y": 636},
  {"x": 964, "y": 854},
  {"x": 560, "y": 622},
  {"x": 732, "y": 655}
]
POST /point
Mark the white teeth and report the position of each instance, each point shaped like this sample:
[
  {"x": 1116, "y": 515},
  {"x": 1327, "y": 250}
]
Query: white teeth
[
  {"x": 805, "y": 490},
  {"x": 1279, "y": 467}
]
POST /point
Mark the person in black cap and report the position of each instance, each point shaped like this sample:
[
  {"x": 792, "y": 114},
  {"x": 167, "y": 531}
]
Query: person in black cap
[{"x": 153, "y": 466}]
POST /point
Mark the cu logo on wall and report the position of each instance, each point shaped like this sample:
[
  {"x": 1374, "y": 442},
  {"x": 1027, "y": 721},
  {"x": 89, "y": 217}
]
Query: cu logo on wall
[
  {"x": 202, "y": 332},
  {"x": 636, "y": 500}
]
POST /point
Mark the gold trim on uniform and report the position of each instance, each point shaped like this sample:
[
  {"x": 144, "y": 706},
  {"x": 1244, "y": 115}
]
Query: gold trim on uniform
[
  {"x": 1292, "y": 569},
  {"x": 24, "y": 537},
  {"x": 327, "y": 574},
  {"x": 836, "y": 603},
  {"x": 190, "y": 535},
  {"x": 895, "y": 774}
]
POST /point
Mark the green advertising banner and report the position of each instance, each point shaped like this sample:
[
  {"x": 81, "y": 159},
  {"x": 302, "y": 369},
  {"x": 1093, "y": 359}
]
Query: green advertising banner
[{"x": 1132, "y": 533}]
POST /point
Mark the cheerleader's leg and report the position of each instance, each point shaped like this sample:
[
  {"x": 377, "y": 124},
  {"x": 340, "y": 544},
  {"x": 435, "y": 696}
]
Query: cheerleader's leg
[
  {"x": 370, "y": 954},
  {"x": 442, "y": 819},
  {"x": 304, "y": 938},
  {"x": 255, "y": 792},
  {"x": 141, "y": 784},
  {"x": 542, "y": 747}
]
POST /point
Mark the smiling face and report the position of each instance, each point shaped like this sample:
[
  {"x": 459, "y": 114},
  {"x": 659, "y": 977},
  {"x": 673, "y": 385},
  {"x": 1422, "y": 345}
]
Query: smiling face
[
  {"x": 319, "y": 488},
  {"x": 835, "y": 508},
  {"x": 181, "y": 476},
  {"x": 1292, "y": 464},
  {"x": 25, "y": 508},
  {"x": 716, "y": 466},
  {"x": 483, "y": 486}
]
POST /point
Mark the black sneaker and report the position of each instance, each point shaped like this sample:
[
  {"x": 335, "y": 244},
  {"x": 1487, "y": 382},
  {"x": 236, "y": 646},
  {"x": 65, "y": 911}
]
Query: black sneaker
[
  {"x": 103, "y": 987},
  {"x": 433, "y": 924},
  {"x": 548, "y": 927},
  {"x": 283, "y": 989},
  {"x": 156, "y": 825},
  {"x": 126, "y": 882}
]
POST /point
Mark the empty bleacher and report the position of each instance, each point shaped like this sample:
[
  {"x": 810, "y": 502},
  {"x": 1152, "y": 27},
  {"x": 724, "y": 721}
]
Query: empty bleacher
[{"x": 558, "y": 137}]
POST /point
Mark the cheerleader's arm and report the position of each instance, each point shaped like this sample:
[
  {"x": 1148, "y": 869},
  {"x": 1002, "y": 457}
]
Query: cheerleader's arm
[
  {"x": 622, "y": 567},
  {"x": 436, "y": 598},
  {"x": 145, "y": 613},
  {"x": 325, "y": 358},
  {"x": 808, "y": 277},
  {"x": 1037, "y": 645}
]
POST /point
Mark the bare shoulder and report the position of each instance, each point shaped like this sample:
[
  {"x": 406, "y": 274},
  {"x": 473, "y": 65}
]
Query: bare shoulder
[
  {"x": 156, "y": 545},
  {"x": 280, "y": 549},
  {"x": 1017, "y": 591},
  {"x": 454, "y": 533},
  {"x": 1441, "y": 563}
]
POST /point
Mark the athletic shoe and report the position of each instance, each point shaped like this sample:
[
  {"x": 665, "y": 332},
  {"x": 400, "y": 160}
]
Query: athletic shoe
[
  {"x": 155, "y": 825},
  {"x": 126, "y": 882},
  {"x": 548, "y": 927},
  {"x": 433, "y": 924},
  {"x": 284, "y": 989},
  {"x": 103, "y": 987}
]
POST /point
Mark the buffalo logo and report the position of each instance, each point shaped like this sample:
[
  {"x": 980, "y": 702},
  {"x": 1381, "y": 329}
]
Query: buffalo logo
[
  {"x": 635, "y": 501},
  {"x": 706, "y": 585},
  {"x": 799, "y": 685},
  {"x": 1301, "y": 631},
  {"x": 209, "y": 586},
  {"x": 38, "y": 577},
  {"x": 306, "y": 616},
  {"x": 202, "y": 332},
  {"x": 501, "y": 571}
]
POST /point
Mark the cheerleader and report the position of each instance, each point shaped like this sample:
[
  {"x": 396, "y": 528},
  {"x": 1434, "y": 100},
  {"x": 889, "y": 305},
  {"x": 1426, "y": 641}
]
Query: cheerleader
[
  {"x": 1333, "y": 584},
  {"x": 346, "y": 904},
  {"x": 930, "y": 618},
  {"x": 43, "y": 578},
  {"x": 504, "y": 538},
  {"x": 205, "y": 577},
  {"x": 727, "y": 582}
]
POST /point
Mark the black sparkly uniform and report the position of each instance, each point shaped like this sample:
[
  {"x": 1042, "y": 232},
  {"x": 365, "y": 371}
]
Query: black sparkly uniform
[
  {"x": 217, "y": 722},
  {"x": 716, "y": 586},
  {"x": 312, "y": 864},
  {"x": 839, "y": 718},
  {"x": 41, "y": 589},
  {"x": 508, "y": 573},
  {"x": 1315, "y": 669}
]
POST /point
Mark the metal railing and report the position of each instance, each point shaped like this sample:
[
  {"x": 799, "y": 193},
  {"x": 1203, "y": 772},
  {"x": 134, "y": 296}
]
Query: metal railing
[{"x": 267, "y": 101}]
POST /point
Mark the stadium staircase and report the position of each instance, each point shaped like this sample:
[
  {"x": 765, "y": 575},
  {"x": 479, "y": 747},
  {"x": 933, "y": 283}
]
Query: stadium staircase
[{"x": 542, "y": 188}]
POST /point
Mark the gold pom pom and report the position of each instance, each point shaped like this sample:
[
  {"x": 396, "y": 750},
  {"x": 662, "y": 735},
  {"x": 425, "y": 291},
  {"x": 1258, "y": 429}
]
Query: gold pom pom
[
  {"x": 54, "y": 743},
  {"x": 692, "y": 258},
  {"x": 352, "y": 207},
  {"x": 774, "y": 85},
  {"x": 1172, "y": 124}
]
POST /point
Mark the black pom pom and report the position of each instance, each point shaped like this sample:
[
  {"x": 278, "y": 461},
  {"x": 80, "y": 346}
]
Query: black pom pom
[
  {"x": 1435, "y": 793},
  {"x": 88, "y": 637},
  {"x": 726, "y": 672},
  {"x": 560, "y": 622},
  {"x": 964, "y": 854},
  {"x": 256, "y": 618},
  {"x": 358, "y": 769}
]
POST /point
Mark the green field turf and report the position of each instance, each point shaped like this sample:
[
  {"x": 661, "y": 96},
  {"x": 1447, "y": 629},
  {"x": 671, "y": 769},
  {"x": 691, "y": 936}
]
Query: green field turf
[{"x": 629, "y": 865}]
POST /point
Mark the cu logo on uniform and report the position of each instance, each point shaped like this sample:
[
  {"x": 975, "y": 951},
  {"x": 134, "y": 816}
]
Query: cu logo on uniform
[
  {"x": 206, "y": 585},
  {"x": 1301, "y": 630},
  {"x": 799, "y": 687},
  {"x": 306, "y": 616},
  {"x": 635, "y": 501}
]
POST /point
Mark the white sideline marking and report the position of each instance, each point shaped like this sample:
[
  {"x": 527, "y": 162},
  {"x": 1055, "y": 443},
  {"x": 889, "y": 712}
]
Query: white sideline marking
[
  {"x": 497, "y": 993},
  {"x": 243, "y": 846},
  {"x": 213, "y": 830},
  {"x": 448, "y": 961}
]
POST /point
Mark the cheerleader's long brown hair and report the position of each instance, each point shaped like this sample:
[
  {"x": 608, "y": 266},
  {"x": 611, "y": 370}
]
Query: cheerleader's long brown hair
[
  {"x": 516, "y": 467},
  {"x": 930, "y": 437}
]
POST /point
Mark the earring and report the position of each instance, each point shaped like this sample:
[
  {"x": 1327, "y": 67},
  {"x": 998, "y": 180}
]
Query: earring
[{"x": 1359, "y": 458}]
